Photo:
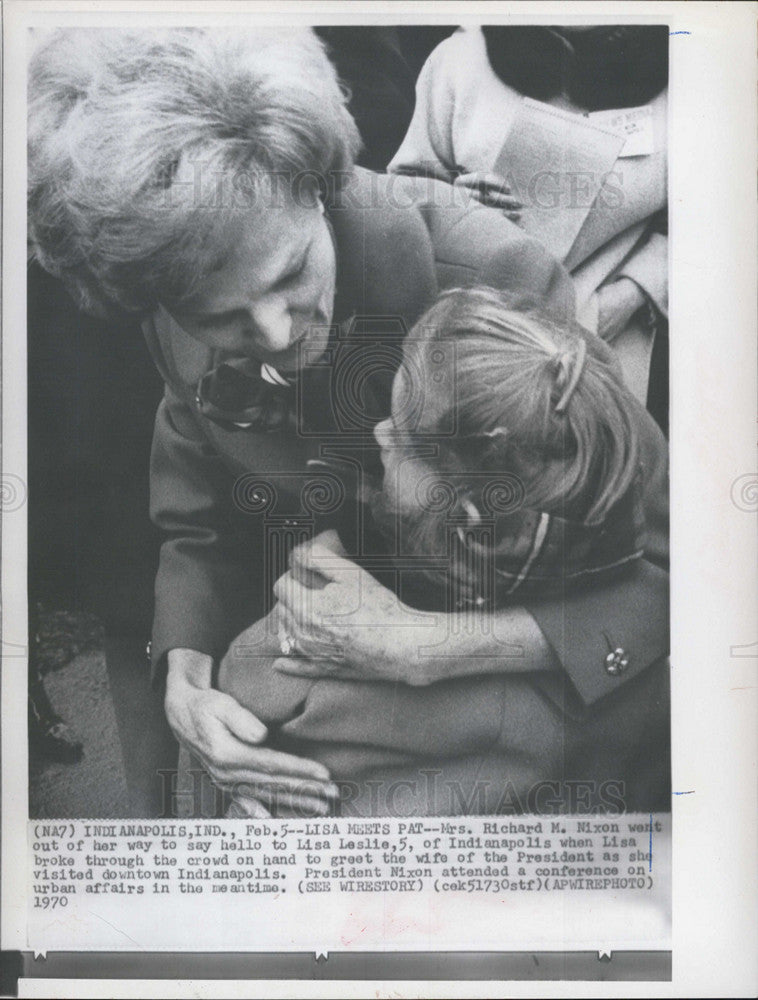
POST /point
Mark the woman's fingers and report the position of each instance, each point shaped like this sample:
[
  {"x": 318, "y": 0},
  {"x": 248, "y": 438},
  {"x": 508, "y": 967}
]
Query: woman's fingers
[
  {"x": 321, "y": 559},
  {"x": 254, "y": 784},
  {"x": 483, "y": 182},
  {"x": 224, "y": 736},
  {"x": 244, "y": 760},
  {"x": 496, "y": 199},
  {"x": 231, "y": 759},
  {"x": 294, "y": 597},
  {"x": 300, "y": 805},
  {"x": 249, "y": 783},
  {"x": 491, "y": 190},
  {"x": 303, "y": 666},
  {"x": 301, "y": 636},
  {"x": 238, "y": 767},
  {"x": 276, "y": 800},
  {"x": 243, "y": 724},
  {"x": 300, "y": 614},
  {"x": 245, "y": 808}
]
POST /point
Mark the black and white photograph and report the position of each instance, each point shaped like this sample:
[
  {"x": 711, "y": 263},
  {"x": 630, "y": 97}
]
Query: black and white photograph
[
  {"x": 348, "y": 405},
  {"x": 387, "y": 370}
]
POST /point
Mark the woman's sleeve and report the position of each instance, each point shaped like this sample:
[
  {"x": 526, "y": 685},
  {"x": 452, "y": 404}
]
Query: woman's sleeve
[
  {"x": 203, "y": 586},
  {"x": 427, "y": 148},
  {"x": 648, "y": 268}
]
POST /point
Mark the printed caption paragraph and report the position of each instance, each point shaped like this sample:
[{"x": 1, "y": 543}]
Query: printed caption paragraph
[
  {"x": 321, "y": 856},
  {"x": 465, "y": 883}
]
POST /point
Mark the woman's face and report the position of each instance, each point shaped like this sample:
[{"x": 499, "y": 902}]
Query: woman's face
[{"x": 274, "y": 290}]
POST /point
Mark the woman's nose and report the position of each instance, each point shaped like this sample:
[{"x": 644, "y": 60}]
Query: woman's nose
[{"x": 272, "y": 323}]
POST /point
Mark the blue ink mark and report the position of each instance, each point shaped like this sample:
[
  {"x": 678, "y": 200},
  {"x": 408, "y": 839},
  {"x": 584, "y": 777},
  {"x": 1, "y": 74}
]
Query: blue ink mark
[
  {"x": 650, "y": 846},
  {"x": 680, "y": 32},
  {"x": 690, "y": 792}
]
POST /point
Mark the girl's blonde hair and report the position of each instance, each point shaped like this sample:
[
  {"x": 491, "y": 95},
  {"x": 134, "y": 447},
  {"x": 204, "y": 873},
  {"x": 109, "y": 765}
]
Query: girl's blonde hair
[{"x": 506, "y": 407}]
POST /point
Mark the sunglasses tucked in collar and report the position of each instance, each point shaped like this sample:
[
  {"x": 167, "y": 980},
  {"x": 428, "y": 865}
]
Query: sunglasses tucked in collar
[{"x": 246, "y": 394}]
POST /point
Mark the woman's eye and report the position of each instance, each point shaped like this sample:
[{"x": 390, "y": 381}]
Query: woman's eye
[{"x": 288, "y": 279}]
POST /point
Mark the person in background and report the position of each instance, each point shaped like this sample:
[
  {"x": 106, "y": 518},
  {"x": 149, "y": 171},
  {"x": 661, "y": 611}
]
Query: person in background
[
  {"x": 371, "y": 65},
  {"x": 467, "y": 98}
]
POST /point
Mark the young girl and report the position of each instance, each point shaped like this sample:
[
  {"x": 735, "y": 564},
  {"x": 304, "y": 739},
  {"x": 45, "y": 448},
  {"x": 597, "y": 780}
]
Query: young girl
[
  {"x": 512, "y": 466},
  {"x": 511, "y": 450}
]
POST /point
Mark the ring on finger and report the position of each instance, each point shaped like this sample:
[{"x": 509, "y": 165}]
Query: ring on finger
[{"x": 287, "y": 644}]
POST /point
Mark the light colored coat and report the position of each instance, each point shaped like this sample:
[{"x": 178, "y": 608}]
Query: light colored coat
[{"x": 463, "y": 114}]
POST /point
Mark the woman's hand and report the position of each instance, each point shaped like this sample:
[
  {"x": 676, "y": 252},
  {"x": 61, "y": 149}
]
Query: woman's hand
[
  {"x": 351, "y": 627},
  {"x": 492, "y": 191},
  {"x": 226, "y": 738}
]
